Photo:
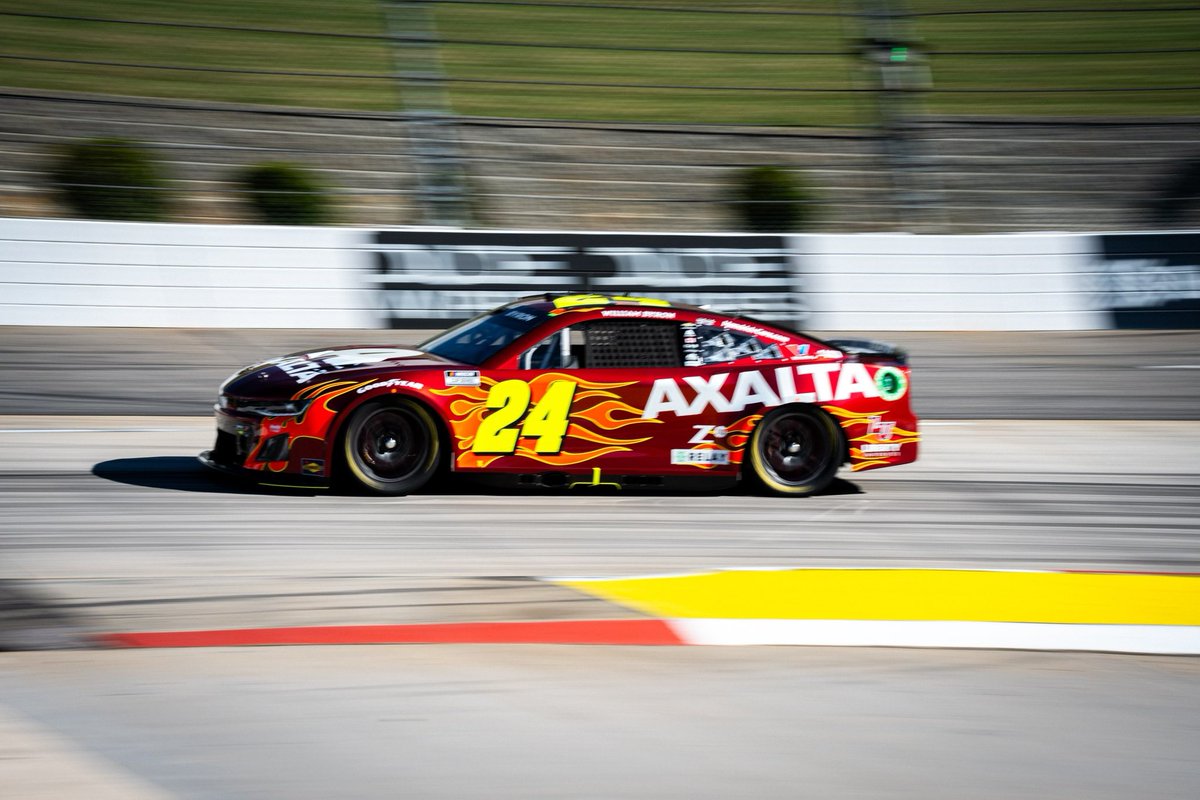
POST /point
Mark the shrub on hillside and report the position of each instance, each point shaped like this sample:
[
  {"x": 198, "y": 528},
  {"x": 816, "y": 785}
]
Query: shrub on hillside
[
  {"x": 770, "y": 200},
  {"x": 110, "y": 179},
  {"x": 284, "y": 194},
  {"x": 1178, "y": 197}
]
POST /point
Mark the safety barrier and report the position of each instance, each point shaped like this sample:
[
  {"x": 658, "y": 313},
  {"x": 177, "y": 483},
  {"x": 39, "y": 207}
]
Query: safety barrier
[
  {"x": 84, "y": 273},
  {"x": 55, "y": 272}
]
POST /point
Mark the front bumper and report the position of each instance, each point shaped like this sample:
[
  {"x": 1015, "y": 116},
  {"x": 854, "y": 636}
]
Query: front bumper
[
  {"x": 210, "y": 459},
  {"x": 260, "y": 449}
]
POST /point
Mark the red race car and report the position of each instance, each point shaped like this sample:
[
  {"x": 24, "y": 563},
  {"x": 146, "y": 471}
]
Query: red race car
[{"x": 574, "y": 390}]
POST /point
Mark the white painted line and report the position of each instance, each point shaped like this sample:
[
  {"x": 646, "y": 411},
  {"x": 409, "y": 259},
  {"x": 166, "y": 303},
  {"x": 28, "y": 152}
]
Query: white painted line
[
  {"x": 1172, "y": 366},
  {"x": 925, "y": 424},
  {"x": 1155, "y": 639}
]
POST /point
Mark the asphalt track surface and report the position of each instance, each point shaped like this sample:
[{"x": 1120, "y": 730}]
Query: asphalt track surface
[
  {"x": 109, "y": 525},
  {"x": 1023, "y": 375}
]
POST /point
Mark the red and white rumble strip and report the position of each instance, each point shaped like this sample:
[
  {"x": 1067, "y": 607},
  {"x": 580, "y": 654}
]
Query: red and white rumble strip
[{"x": 1110, "y": 612}]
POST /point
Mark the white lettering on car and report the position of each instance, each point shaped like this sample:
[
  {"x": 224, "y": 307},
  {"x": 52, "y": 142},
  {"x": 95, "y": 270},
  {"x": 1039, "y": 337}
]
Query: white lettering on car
[
  {"x": 823, "y": 383},
  {"x": 708, "y": 393},
  {"x": 308, "y": 366},
  {"x": 665, "y": 395},
  {"x": 820, "y": 373},
  {"x": 703, "y": 432},
  {"x": 854, "y": 381},
  {"x": 752, "y": 387}
]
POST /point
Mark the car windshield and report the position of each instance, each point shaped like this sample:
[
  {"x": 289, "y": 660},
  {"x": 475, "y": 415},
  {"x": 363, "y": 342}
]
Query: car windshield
[{"x": 477, "y": 339}]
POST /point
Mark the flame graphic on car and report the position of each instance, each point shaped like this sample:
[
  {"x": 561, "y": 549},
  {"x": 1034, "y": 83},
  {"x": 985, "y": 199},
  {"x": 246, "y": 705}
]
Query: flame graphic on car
[
  {"x": 596, "y": 414},
  {"x": 872, "y": 432},
  {"x": 309, "y": 425}
]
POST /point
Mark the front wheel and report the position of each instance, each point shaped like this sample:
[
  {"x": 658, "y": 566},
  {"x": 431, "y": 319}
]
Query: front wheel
[
  {"x": 796, "y": 450},
  {"x": 391, "y": 449}
]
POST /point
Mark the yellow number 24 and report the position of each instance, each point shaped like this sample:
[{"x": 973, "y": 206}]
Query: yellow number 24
[{"x": 547, "y": 421}]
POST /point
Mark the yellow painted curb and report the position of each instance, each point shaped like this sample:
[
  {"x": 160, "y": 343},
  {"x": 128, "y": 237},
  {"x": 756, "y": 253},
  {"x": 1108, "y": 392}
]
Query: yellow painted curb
[{"x": 900, "y": 594}]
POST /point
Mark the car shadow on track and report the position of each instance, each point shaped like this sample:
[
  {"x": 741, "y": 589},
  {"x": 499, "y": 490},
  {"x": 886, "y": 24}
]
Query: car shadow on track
[
  {"x": 181, "y": 473},
  {"x": 185, "y": 473}
]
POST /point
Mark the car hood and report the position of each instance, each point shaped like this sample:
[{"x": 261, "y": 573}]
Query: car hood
[{"x": 284, "y": 376}]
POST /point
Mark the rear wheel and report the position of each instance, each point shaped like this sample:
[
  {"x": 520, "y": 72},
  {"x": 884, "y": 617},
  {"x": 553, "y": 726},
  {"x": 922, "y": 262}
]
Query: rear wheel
[
  {"x": 796, "y": 450},
  {"x": 391, "y": 448}
]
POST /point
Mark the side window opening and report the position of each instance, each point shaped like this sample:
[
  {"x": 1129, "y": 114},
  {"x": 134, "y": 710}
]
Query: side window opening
[
  {"x": 553, "y": 352},
  {"x": 710, "y": 344}
]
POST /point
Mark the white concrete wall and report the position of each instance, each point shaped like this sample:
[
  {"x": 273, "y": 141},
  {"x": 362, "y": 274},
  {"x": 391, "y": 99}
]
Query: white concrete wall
[
  {"x": 69, "y": 272},
  {"x": 904, "y": 282},
  {"x": 66, "y": 272}
]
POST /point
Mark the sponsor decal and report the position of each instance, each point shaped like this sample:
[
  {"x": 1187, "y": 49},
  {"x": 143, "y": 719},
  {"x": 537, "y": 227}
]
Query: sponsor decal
[
  {"x": 523, "y": 316},
  {"x": 1147, "y": 280},
  {"x": 637, "y": 313},
  {"x": 437, "y": 276},
  {"x": 720, "y": 392},
  {"x": 891, "y": 383},
  {"x": 703, "y": 432},
  {"x": 754, "y": 330},
  {"x": 880, "y": 428},
  {"x": 394, "y": 383},
  {"x": 462, "y": 377},
  {"x": 301, "y": 369},
  {"x": 700, "y": 456},
  {"x": 829, "y": 354},
  {"x": 872, "y": 439},
  {"x": 312, "y": 466},
  {"x": 576, "y": 300},
  {"x": 308, "y": 366},
  {"x": 691, "y": 346}
]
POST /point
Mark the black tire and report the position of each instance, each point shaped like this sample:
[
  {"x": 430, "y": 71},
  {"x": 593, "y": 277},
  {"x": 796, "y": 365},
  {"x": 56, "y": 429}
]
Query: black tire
[
  {"x": 796, "y": 450},
  {"x": 391, "y": 448}
]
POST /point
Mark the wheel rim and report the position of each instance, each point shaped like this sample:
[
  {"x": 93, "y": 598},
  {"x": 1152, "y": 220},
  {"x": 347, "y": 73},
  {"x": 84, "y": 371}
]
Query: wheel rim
[
  {"x": 391, "y": 445},
  {"x": 794, "y": 449}
]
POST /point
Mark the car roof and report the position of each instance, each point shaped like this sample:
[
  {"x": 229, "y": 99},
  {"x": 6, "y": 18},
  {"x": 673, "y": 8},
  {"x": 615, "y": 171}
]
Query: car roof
[{"x": 558, "y": 300}]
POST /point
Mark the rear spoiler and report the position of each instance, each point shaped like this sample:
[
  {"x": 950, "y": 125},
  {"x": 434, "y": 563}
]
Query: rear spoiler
[{"x": 870, "y": 350}]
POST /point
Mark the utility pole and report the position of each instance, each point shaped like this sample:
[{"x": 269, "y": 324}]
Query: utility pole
[
  {"x": 900, "y": 72},
  {"x": 425, "y": 108}
]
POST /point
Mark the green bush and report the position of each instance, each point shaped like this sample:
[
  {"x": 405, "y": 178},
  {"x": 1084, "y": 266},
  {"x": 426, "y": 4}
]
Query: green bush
[
  {"x": 770, "y": 200},
  {"x": 284, "y": 194},
  {"x": 1178, "y": 196},
  {"x": 110, "y": 179}
]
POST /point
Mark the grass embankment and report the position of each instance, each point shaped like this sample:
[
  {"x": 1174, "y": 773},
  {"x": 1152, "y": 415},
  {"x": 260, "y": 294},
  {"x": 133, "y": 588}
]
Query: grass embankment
[{"x": 945, "y": 35}]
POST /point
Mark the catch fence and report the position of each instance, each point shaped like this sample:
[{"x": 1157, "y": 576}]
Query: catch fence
[{"x": 577, "y": 115}]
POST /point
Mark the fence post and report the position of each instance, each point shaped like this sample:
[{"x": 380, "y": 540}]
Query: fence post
[
  {"x": 432, "y": 127},
  {"x": 900, "y": 72}
]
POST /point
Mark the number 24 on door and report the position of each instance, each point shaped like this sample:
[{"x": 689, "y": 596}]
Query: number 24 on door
[{"x": 547, "y": 422}]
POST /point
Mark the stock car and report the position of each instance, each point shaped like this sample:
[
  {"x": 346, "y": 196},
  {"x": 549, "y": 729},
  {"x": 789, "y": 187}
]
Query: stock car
[{"x": 569, "y": 391}]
